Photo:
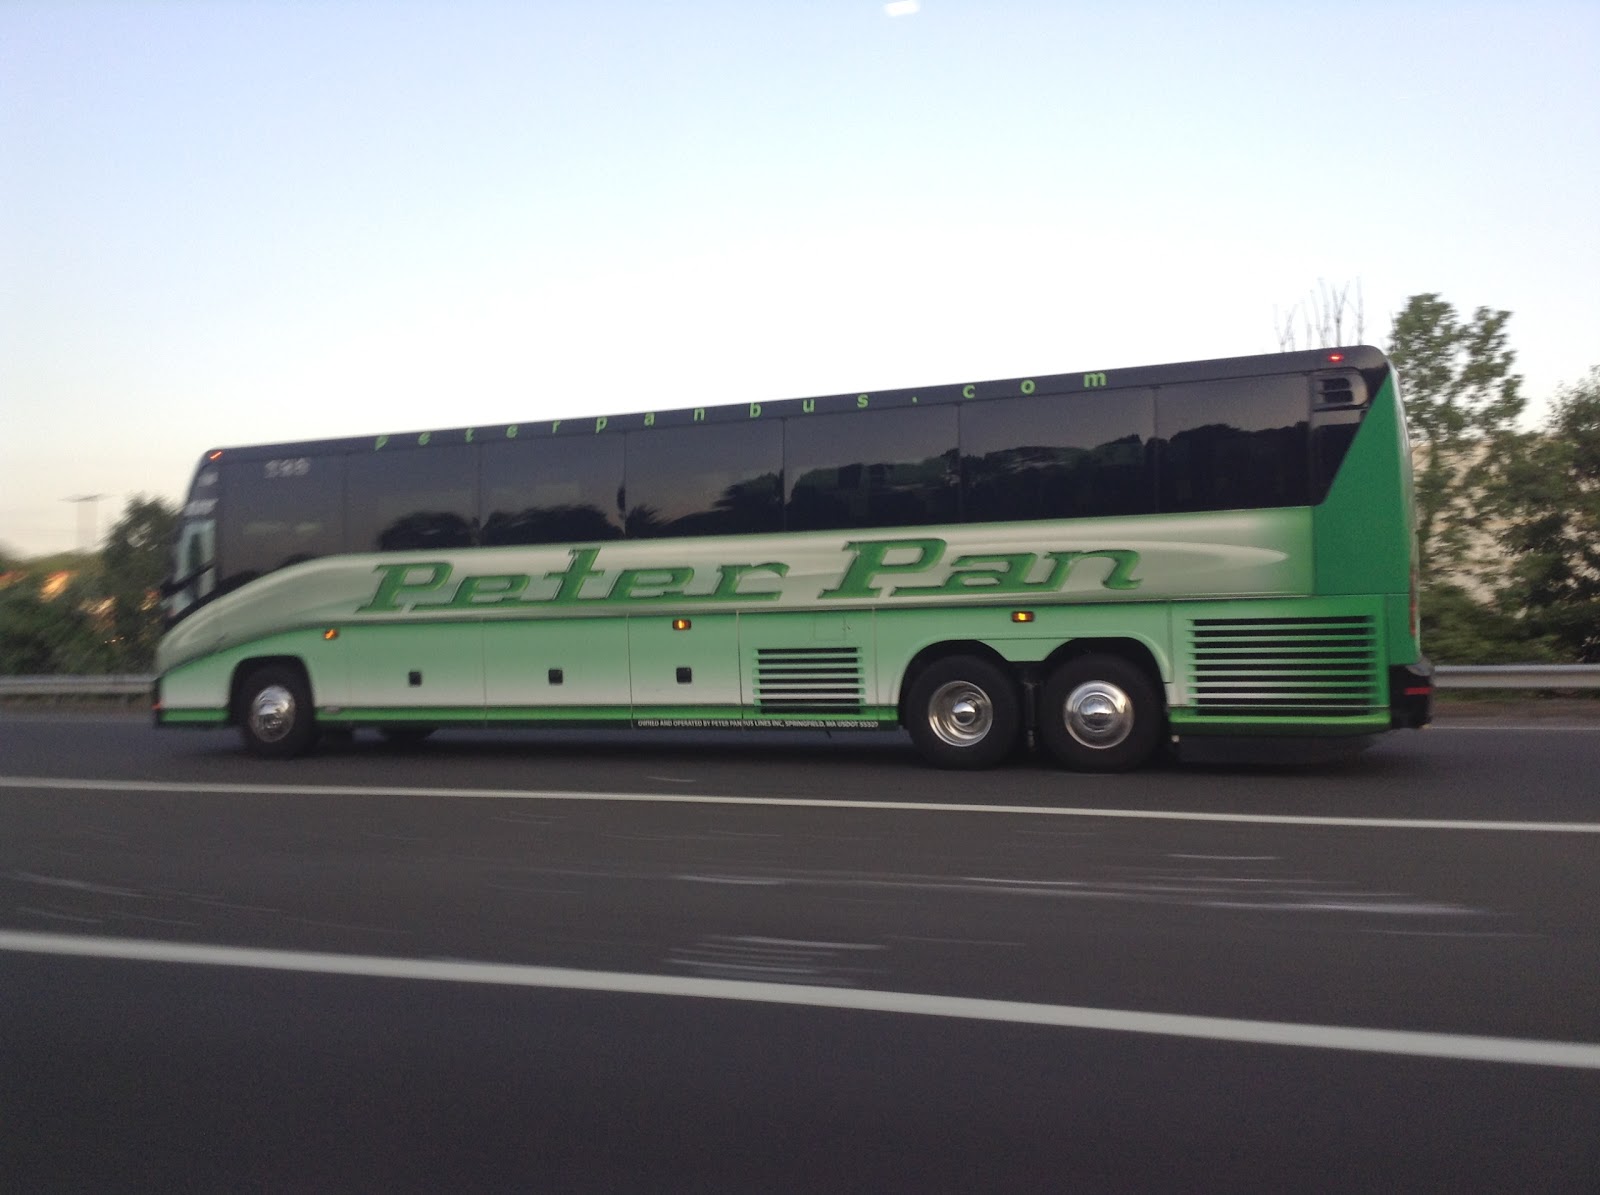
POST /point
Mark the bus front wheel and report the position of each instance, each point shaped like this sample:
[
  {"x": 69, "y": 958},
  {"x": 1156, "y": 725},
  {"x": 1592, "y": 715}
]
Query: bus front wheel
[
  {"x": 1100, "y": 713},
  {"x": 276, "y": 718},
  {"x": 963, "y": 712}
]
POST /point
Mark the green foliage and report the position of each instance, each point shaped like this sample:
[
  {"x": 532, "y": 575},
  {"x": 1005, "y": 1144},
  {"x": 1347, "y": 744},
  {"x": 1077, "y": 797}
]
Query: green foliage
[
  {"x": 107, "y": 617},
  {"x": 1462, "y": 401},
  {"x": 133, "y": 563},
  {"x": 1549, "y": 497},
  {"x": 1458, "y": 630},
  {"x": 52, "y": 635}
]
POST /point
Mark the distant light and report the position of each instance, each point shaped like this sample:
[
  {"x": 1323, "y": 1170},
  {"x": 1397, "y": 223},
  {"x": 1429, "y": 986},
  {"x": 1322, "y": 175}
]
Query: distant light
[{"x": 903, "y": 8}]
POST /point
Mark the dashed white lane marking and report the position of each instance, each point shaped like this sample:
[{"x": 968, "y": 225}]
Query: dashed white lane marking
[
  {"x": 1408, "y": 1043},
  {"x": 506, "y": 794},
  {"x": 1589, "y": 728}
]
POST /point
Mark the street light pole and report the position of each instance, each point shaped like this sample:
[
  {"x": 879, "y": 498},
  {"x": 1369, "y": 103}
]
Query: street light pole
[{"x": 88, "y": 518}]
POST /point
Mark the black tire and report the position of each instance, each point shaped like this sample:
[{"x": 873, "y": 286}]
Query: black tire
[
  {"x": 404, "y": 736},
  {"x": 963, "y": 712},
  {"x": 1101, "y": 713},
  {"x": 276, "y": 717}
]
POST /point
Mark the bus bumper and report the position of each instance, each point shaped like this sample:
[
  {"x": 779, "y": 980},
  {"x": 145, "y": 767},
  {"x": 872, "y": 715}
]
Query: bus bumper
[{"x": 1411, "y": 694}]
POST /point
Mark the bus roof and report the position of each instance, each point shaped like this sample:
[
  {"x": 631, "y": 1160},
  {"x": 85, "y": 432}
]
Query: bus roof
[{"x": 1363, "y": 358}]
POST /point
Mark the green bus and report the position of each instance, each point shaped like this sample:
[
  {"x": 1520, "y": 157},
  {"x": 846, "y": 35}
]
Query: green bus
[{"x": 1101, "y": 562}]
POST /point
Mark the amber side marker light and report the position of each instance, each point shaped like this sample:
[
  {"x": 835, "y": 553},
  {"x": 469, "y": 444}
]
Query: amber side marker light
[
  {"x": 214, "y": 456},
  {"x": 331, "y": 633},
  {"x": 681, "y": 624},
  {"x": 1022, "y": 616}
]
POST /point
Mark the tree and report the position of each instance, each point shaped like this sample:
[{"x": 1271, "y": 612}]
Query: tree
[
  {"x": 1462, "y": 401},
  {"x": 1319, "y": 322},
  {"x": 1549, "y": 497},
  {"x": 134, "y": 561},
  {"x": 48, "y": 633},
  {"x": 1458, "y": 629}
]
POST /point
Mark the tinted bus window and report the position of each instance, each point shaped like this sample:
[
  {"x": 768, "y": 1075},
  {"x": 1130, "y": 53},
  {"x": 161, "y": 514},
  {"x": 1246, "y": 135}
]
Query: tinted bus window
[
  {"x": 1058, "y": 456},
  {"x": 550, "y": 491},
  {"x": 275, "y": 513},
  {"x": 893, "y": 468},
  {"x": 1233, "y": 445},
  {"x": 414, "y": 499},
  {"x": 706, "y": 479}
]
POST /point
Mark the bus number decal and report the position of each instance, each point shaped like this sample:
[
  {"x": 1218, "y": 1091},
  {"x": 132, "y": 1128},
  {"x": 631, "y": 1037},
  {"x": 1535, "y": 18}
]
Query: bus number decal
[{"x": 297, "y": 466}]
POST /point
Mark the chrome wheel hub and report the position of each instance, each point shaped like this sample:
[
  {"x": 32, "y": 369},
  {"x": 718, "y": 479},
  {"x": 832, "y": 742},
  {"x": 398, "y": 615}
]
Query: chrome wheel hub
[
  {"x": 1098, "y": 714},
  {"x": 272, "y": 713},
  {"x": 960, "y": 714}
]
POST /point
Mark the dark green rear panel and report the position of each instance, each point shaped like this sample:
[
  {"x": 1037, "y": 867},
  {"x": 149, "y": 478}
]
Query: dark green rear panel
[{"x": 1363, "y": 532}]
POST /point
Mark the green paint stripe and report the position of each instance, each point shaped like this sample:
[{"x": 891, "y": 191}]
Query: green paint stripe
[
  {"x": 427, "y": 714},
  {"x": 867, "y": 713},
  {"x": 688, "y": 711},
  {"x": 590, "y": 715}
]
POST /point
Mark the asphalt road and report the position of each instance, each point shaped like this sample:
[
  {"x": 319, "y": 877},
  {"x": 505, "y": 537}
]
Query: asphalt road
[{"x": 611, "y": 962}]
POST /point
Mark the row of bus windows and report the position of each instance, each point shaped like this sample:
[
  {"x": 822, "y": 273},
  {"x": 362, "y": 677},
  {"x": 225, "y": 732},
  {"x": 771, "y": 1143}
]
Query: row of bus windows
[{"x": 1195, "y": 447}]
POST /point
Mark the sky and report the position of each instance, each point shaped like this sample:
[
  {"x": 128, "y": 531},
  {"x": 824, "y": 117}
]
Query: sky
[{"x": 225, "y": 223}]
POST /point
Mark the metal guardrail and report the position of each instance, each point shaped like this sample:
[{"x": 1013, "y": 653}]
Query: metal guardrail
[
  {"x": 1449, "y": 676},
  {"x": 75, "y": 686},
  {"x": 1517, "y": 676}
]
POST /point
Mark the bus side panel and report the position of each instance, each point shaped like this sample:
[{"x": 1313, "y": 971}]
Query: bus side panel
[
  {"x": 557, "y": 668},
  {"x": 414, "y": 670},
  {"x": 903, "y": 634},
  {"x": 809, "y": 668},
  {"x": 683, "y": 667},
  {"x": 1311, "y": 666},
  {"x": 199, "y": 691}
]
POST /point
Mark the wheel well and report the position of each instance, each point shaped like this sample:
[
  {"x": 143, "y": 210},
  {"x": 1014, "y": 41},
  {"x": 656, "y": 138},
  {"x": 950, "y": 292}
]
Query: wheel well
[
  {"x": 244, "y": 668},
  {"x": 1131, "y": 650},
  {"x": 1030, "y": 675},
  {"x": 939, "y": 651}
]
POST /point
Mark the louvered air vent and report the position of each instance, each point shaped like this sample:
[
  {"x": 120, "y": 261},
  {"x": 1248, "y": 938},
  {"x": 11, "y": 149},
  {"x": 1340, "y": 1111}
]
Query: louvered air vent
[
  {"x": 1285, "y": 667},
  {"x": 808, "y": 680},
  {"x": 1344, "y": 389}
]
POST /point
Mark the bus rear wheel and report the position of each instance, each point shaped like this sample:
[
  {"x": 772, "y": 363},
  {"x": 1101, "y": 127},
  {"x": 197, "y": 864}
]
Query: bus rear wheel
[
  {"x": 276, "y": 717},
  {"x": 1100, "y": 713},
  {"x": 963, "y": 712}
]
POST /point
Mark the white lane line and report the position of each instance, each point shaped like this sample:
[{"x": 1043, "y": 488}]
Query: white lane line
[
  {"x": 1520, "y": 728},
  {"x": 512, "y": 794},
  {"x": 1455, "y": 1046}
]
